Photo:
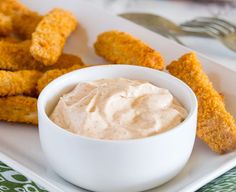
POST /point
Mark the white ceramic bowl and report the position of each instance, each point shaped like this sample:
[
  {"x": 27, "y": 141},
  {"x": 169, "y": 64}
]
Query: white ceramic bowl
[{"x": 117, "y": 166}]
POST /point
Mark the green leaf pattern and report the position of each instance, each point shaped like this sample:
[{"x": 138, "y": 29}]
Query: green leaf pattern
[{"x": 12, "y": 181}]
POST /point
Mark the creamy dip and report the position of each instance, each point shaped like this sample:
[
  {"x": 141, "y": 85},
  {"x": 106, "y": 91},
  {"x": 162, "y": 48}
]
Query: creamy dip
[{"x": 117, "y": 109}]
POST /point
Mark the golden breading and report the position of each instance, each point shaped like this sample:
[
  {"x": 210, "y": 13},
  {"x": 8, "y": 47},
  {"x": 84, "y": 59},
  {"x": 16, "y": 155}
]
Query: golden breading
[
  {"x": 122, "y": 48},
  {"x": 50, "y": 36},
  {"x": 10, "y": 39},
  {"x": 5, "y": 25},
  {"x": 19, "y": 108},
  {"x": 19, "y": 82},
  {"x": 16, "y": 56},
  {"x": 25, "y": 25},
  {"x": 53, "y": 74},
  {"x": 222, "y": 97},
  {"x": 13, "y": 7},
  {"x": 24, "y": 21},
  {"x": 215, "y": 125},
  {"x": 65, "y": 61}
]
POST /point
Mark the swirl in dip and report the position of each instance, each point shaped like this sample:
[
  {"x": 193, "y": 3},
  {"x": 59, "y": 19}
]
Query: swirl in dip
[{"x": 117, "y": 109}]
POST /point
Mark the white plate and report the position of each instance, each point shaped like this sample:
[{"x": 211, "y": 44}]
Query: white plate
[{"x": 20, "y": 145}]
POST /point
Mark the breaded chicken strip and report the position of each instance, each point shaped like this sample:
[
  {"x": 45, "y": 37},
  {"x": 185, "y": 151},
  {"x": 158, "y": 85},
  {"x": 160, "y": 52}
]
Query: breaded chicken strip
[
  {"x": 53, "y": 74},
  {"x": 16, "y": 56},
  {"x": 122, "y": 48},
  {"x": 19, "y": 108},
  {"x": 50, "y": 36},
  {"x": 24, "y": 21},
  {"x": 65, "y": 61},
  {"x": 19, "y": 82},
  {"x": 10, "y": 39},
  {"x": 215, "y": 125},
  {"x": 5, "y": 25},
  {"x": 26, "y": 24},
  {"x": 13, "y": 7}
]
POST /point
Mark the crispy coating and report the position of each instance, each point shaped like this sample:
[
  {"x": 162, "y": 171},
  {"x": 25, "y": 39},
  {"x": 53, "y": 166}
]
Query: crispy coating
[
  {"x": 122, "y": 48},
  {"x": 24, "y": 21},
  {"x": 13, "y": 7},
  {"x": 10, "y": 39},
  {"x": 5, "y": 25},
  {"x": 19, "y": 82},
  {"x": 16, "y": 56},
  {"x": 215, "y": 125},
  {"x": 65, "y": 61},
  {"x": 53, "y": 74},
  {"x": 222, "y": 97},
  {"x": 25, "y": 25},
  {"x": 50, "y": 36},
  {"x": 19, "y": 108}
]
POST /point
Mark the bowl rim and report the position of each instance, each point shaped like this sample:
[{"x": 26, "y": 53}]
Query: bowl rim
[{"x": 41, "y": 103}]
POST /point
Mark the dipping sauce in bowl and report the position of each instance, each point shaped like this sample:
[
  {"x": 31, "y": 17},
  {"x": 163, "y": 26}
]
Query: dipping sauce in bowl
[
  {"x": 122, "y": 135},
  {"x": 117, "y": 109}
]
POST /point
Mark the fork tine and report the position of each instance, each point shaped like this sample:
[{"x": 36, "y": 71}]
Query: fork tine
[
  {"x": 223, "y": 29},
  {"x": 219, "y": 20},
  {"x": 216, "y": 29},
  {"x": 197, "y": 28},
  {"x": 220, "y": 30},
  {"x": 190, "y": 28},
  {"x": 193, "y": 27},
  {"x": 213, "y": 32},
  {"x": 227, "y": 25}
]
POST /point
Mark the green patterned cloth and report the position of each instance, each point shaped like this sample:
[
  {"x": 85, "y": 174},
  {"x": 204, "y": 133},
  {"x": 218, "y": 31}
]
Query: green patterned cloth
[
  {"x": 224, "y": 183},
  {"x": 12, "y": 181}
]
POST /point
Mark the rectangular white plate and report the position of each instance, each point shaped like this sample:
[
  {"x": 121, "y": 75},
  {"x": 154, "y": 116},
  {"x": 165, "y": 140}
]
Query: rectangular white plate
[{"x": 19, "y": 144}]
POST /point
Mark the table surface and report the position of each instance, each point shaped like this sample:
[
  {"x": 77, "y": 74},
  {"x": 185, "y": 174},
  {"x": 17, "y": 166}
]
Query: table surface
[{"x": 177, "y": 11}]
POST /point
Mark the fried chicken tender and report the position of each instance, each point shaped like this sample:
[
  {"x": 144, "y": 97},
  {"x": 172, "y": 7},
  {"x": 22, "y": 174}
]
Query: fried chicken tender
[
  {"x": 122, "y": 48},
  {"x": 19, "y": 82},
  {"x": 215, "y": 125},
  {"x": 50, "y": 36},
  {"x": 13, "y": 7},
  {"x": 24, "y": 21},
  {"x": 65, "y": 61},
  {"x": 5, "y": 25},
  {"x": 53, "y": 74},
  {"x": 222, "y": 97},
  {"x": 25, "y": 25},
  {"x": 19, "y": 108},
  {"x": 10, "y": 39},
  {"x": 16, "y": 56}
]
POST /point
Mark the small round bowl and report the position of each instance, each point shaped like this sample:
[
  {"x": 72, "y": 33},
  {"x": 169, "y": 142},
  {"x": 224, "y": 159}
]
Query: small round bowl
[{"x": 117, "y": 165}]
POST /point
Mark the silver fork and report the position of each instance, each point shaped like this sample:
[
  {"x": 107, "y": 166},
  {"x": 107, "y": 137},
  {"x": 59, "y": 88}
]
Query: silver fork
[
  {"x": 155, "y": 23},
  {"x": 169, "y": 29},
  {"x": 214, "y": 27},
  {"x": 160, "y": 24}
]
